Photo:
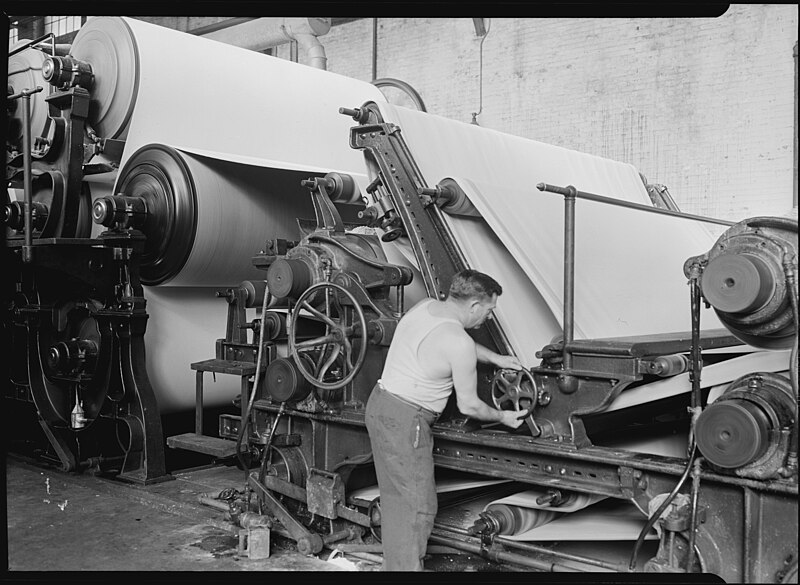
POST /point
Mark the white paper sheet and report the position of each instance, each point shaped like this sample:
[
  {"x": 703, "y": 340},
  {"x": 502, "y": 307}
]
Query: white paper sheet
[
  {"x": 629, "y": 264},
  {"x": 444, "y": 486},
  {"x": 182, "y": 329}
]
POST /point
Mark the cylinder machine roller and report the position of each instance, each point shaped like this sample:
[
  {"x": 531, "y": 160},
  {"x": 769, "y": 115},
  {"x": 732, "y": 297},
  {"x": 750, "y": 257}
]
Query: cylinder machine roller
[{"x": 749, "y": 278}]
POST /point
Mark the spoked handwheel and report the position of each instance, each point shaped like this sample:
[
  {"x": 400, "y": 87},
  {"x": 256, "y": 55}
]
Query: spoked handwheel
[
  {"x": 516, "y": 390},
  {"x": 343, "y": 326}
]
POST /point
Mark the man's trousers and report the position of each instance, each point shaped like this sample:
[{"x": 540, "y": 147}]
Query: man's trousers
[{"x": 402, "y": 447}]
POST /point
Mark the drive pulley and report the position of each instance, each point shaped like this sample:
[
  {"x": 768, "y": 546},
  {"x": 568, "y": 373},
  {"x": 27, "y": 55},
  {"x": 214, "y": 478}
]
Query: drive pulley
[{"x": 344, "y": 342}]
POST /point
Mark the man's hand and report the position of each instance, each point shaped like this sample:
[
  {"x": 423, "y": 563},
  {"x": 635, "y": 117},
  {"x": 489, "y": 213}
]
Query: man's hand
[
  {"x": 508, "y": 362},
  {"x": 511, "y": 418}
]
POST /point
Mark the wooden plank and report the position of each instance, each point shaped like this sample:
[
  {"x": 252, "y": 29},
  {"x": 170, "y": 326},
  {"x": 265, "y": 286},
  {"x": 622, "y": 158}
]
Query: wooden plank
[{"x": 203, "y": 444}]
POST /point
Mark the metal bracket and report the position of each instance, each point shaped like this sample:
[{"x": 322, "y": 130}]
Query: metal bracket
[{"x": 325, "y": 491}]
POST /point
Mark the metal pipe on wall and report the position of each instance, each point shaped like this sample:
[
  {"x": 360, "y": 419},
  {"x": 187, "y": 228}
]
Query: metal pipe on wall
[
  {"x": 794, "y": 53},
  {"x": 375, "y": 49},
  {"x": 264, "y": 33}
]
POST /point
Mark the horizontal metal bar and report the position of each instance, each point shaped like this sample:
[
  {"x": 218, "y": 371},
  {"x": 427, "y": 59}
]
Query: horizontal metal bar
[
  {"x": 540, "y": 549},
  {"x": 571, "y": 191},
  {"x": 30, "y": 44},
  {"x": 500, "y": 556},
  {"x": 209, "y": 28}
]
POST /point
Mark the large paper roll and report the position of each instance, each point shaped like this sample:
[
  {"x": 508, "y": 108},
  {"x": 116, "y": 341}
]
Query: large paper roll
[
  {"x": 210, "y": 216},
  {"x": 154, "y": 84}
]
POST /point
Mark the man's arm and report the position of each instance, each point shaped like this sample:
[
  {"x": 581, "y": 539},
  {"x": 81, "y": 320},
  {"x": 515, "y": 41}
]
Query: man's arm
[
  {"x": 487, "y": 356},
  {"x": 462, "y": 354}
]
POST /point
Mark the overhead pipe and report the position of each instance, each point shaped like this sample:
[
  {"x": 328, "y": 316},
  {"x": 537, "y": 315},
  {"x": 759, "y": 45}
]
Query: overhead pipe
[
  {"x": 264, "y": 33},
  {"x": 794, "y": 54}
]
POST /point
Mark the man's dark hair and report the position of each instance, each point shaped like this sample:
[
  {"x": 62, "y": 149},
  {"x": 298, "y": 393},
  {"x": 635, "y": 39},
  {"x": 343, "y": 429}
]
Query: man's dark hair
[{"x": 471, "y": 284}]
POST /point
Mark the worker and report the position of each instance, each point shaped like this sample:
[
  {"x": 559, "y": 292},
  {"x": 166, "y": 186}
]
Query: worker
[{"x": 430, "y": 354}]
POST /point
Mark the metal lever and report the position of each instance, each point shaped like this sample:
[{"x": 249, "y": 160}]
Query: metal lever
[
  {"x": 307, "y": 542},
  {"x": 357, "y": 114},
  {"x": 328, "y": 217}
]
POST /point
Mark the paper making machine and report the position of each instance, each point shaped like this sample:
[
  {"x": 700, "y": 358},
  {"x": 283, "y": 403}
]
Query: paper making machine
[
  {"x": 727, "y": 504},
  {"x": 102, "y": 210},
  {"x": 329, "y": 286}
]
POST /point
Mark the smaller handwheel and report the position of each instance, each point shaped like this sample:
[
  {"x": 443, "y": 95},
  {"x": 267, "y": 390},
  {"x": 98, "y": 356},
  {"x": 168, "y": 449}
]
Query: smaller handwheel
[
  {"x": 516, "y": 390},
  {"x": 342, "y": 327}
]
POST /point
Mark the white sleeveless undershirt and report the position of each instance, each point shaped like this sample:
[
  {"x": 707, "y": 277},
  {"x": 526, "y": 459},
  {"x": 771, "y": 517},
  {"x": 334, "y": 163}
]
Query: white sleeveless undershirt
[{"x": 402, "y": 373}]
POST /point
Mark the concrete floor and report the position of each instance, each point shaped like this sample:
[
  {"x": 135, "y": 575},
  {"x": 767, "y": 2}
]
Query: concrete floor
[
  {"x": 69, "y": 523},
  {"x": 59, "y": 522}
]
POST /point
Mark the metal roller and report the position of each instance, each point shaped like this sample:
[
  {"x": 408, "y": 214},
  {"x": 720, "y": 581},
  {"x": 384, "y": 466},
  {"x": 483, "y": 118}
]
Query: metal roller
[
  {"x": 284, "y": 381},
  {"x": 289, "y": 277},
  {"x": 451, "y": 198},
  {"x": 504, "y": 519},
  {"x": 274, "y": 325},
  {"x": 255, "y": 291},
  {"x": 749, "y": 279},
  {"x": 746, "y": 431}
]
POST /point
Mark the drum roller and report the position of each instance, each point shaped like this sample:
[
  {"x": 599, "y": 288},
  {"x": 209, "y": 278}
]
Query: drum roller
[
  {"x": 749, "y": 279},
  {"x": 746, "y": 431},
  {"x": 284, "y": 381},
  {"x": 289, "y": 277}
]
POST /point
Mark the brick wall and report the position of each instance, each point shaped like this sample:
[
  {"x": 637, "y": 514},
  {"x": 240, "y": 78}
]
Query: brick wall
[{"x": 702, "y": 105}]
